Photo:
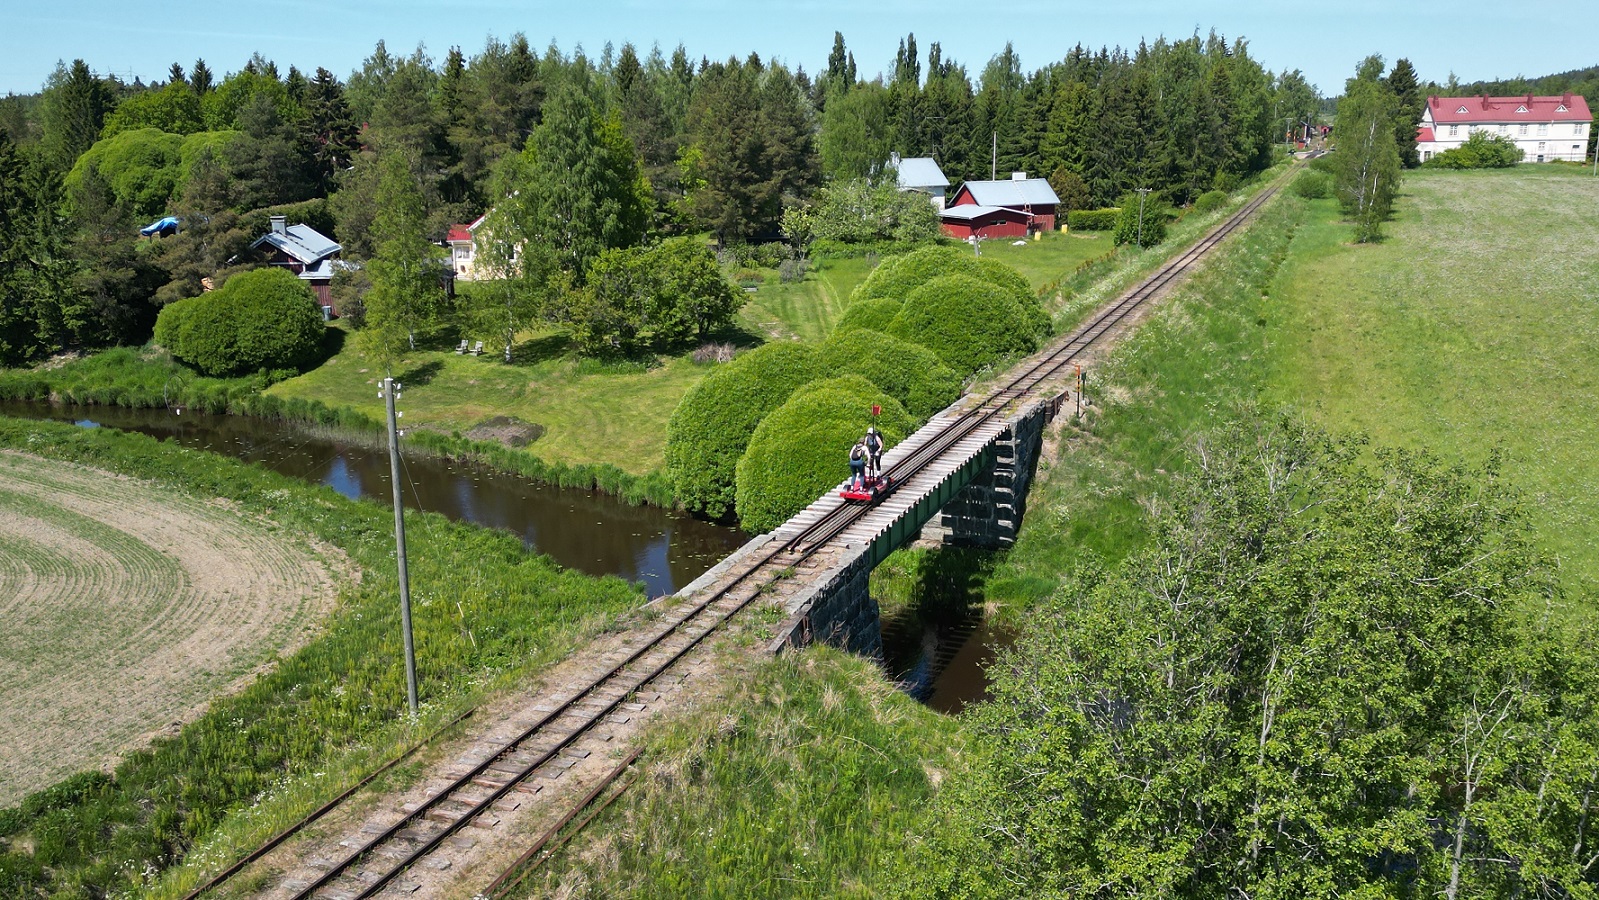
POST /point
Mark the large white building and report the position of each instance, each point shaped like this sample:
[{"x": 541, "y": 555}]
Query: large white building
[{"x": 1545, "y": 128}]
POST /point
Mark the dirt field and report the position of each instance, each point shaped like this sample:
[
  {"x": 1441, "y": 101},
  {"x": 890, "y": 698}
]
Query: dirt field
[{"x": 125, "y": 607}]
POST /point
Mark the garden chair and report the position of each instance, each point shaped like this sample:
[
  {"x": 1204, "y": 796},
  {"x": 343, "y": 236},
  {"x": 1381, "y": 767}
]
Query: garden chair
[{"x": 461, "y": 349}]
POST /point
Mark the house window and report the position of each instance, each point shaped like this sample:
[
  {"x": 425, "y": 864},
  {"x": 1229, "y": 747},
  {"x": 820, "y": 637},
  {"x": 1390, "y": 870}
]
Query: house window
[
  {"x": 1504, "y": 129},
  {"x": 1540, "y": 150},
  {"x": 1577, "y": 129},
  {"x": 1543, "y": 129},
  {"x": 1454, "y": 130},
  {"x": 1523, "y": 131}
]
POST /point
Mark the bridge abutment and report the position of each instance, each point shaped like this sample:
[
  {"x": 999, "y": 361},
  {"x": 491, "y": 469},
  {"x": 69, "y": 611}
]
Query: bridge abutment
[{"x": 988, "y": 512}]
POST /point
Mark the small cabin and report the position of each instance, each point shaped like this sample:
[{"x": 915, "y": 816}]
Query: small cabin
[{"x": 304, "y": 251}]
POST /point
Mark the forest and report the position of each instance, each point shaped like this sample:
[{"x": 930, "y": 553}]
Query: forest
[{"x": 577, "y": 156}]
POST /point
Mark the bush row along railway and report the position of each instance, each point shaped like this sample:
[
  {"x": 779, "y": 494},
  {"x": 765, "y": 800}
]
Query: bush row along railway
[{"x": 563, "y": 729}]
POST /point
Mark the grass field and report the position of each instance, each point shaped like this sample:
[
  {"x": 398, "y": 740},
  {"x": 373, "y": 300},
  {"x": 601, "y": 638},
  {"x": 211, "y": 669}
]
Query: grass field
[
  {"x": 126, "y": 607},
  {"x": 1473, "y": 326},
  {"x": 591, "y": 412}
]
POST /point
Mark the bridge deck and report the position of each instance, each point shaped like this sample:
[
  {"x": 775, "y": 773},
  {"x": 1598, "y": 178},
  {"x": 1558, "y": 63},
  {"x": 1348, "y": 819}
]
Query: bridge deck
[{"x": 905, "y": 497}]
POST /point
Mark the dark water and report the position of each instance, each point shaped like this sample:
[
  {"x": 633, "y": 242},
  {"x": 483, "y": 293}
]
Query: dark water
[
  {"x": 942, "y": 659},
  {"x": 593, "y": 533}
]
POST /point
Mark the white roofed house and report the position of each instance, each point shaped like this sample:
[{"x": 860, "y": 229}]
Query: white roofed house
[
  {"x": 922, "y": 175},
  {"x": 1545, "y": 128},
  {"x": 304, "y": 251}
]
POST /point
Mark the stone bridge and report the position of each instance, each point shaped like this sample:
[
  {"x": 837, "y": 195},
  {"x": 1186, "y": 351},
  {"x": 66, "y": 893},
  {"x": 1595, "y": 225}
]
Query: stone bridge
[{"x": 973, "y": 495}]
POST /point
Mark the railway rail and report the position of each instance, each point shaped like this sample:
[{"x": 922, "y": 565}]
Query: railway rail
[{"x": 561, "y": 732}]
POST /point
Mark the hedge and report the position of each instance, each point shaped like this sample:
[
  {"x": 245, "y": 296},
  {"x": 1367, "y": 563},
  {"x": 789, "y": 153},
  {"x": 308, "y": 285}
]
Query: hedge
[
  {"x": 1092, "y": 219},
  {"x": 259, "y": 320},
  {"x": 1313, "y": 185},
  {"x": 967, "y": 322},
  {"x": 874, "y": 315},
  {"x": 802, "y": 449},
  {"x": 999, "y": 274},
  {"x": 898, "y": 276},
  {"x": 1209, "y": 200},
  {"x": 909, "y": 372},
  {"x": 713, "y": 423}
]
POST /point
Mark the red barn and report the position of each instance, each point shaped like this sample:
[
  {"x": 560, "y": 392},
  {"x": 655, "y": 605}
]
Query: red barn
[
  {"x": 969, "y": 220},
  {"x": 1030, "y": 198}
]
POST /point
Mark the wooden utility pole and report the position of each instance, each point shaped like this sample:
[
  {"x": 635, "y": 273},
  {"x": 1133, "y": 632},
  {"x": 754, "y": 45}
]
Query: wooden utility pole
[{"x": 391, "y": 392}]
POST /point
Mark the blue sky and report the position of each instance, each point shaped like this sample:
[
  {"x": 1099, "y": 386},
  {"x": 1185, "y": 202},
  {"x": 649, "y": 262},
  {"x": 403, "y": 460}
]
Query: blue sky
[{"x": 1473, "y": 39}]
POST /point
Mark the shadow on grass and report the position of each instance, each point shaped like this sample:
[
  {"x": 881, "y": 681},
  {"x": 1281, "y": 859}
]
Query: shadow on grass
[
  {"x": 420, "y": 375},
  {"x": 540, "y": 349}
]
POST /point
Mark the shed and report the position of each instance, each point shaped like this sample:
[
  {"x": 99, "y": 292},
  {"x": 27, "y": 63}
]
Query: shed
[{"x": 971, "y": 220}]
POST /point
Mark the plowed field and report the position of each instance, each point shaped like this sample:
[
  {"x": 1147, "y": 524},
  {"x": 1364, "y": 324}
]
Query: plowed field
[{"x": 125, "y": 606}]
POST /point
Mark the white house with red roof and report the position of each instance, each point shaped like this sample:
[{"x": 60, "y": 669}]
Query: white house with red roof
[
  {"x": 459, "y": 240},
  {"x": 1545, "y": 128}
]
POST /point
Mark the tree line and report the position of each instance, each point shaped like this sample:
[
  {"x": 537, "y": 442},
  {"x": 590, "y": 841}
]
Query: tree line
[{"x": 577, "y": 156}]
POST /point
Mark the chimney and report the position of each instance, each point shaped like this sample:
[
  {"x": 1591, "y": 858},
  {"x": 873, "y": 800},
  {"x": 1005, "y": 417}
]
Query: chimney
[
  {"x": 280, "y": 224},
  {"x": 1018, "y": 176}
]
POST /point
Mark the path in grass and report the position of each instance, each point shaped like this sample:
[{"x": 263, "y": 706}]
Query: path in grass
[
  {"x": 1474, "y": 325},
  {"x": 126, "y": 607}
]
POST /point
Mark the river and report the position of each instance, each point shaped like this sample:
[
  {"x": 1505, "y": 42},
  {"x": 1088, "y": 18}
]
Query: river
[{"x": 583, "y": 530}]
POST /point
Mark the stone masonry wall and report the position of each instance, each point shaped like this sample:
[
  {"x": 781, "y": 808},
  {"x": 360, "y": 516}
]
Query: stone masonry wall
[
  {"x": 988, "y": 512},
  {"x": 837, "y": 608}
]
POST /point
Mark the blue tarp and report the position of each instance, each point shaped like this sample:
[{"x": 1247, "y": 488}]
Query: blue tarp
[{"x": 163, "y": 227}]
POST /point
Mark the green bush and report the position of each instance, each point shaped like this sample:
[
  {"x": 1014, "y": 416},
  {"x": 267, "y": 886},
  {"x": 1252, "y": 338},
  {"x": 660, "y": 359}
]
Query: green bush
[
  {"x": 967, "y": 322},
  {"x": 1480, "y": 151},
  {"x": 1155, "y": 215},
  {"x": 898, "y": 276},
  {"x": 258, "y": 321},
  {"x": 1313, "y": 185},
  {"x": 1092, "y": 219},
  {"x": 802, "y": 449},
  {"x": 909, "y": 372},
  {"x": 874, "y": 314},
  {"x": 997, "y": 273},
  {"x": 1209, "y": 201},
  {"x": 712, "y": 425}
]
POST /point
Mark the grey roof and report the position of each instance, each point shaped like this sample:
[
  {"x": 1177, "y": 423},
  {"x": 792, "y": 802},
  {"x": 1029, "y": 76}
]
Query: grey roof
[
  {"x": 920, "y": 172},
  {"x": 302, "y": 242},
  {"x": 971, "y": 211},
  {"x": 1031, "y": 191}
]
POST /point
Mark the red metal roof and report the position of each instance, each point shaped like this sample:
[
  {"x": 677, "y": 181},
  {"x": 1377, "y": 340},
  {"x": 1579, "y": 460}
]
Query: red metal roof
[
  {"x": 460, "y": 234},
  {"x": 1423, "y": 134},
  {"x": 1525, "y": 108}
]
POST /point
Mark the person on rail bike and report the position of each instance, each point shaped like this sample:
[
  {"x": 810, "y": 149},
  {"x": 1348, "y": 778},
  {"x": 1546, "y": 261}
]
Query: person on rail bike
[
  {"x": 874, "y": 451},
  {"x": 858, "y": 456}
]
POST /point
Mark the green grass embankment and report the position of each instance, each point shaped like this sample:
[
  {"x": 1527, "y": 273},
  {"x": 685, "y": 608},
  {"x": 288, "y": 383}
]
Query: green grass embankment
[
  {"x": 487, "y": 614},
  {"x": 803, "y": 780}
]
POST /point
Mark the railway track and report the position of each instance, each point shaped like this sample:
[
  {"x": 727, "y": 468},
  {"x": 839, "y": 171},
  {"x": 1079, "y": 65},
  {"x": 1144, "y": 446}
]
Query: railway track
[{"x": 567, "y": 730}]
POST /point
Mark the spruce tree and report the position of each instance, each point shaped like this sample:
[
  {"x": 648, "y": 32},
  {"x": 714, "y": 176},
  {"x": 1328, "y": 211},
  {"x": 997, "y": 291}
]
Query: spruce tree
[{"x": 1407, "y": 114}]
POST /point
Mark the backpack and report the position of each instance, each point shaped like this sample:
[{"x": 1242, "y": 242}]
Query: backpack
[{"x": 857, "y": 453}]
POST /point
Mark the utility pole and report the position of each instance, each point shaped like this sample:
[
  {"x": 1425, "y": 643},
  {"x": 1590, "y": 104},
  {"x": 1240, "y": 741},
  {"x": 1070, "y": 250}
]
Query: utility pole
[
  {"x": 391, "y": 392},
  {"x": 993, "y": 159},
  {"x": 1142, "y": 193}
]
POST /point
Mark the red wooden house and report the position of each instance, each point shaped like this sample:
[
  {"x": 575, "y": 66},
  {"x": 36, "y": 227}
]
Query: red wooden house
[{"x": 1011, "y": 208}]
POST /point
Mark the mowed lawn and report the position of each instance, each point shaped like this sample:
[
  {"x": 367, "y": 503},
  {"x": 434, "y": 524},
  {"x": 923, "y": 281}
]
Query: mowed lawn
[
  {"x": 1473, "y": 326},
  {"x": 1052, "y": 257},
  {"x": 592, "y": 412}
]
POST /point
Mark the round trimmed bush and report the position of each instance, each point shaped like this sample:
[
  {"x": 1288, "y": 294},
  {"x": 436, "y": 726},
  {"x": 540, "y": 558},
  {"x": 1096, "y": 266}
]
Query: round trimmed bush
[
  {"x": 802, "y": 449},
  {"x": 910, "y": 373},
  {"x": 899, "y": 275},
  {"x": 259, "y": 320},
  {"x": 874, "y": 314},
  {"x": 997, "y": 273},
  {"x": 1209, "y": 201},
  {"x": 967, "y": 322},
  {"x": 712, "y": 425}
]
